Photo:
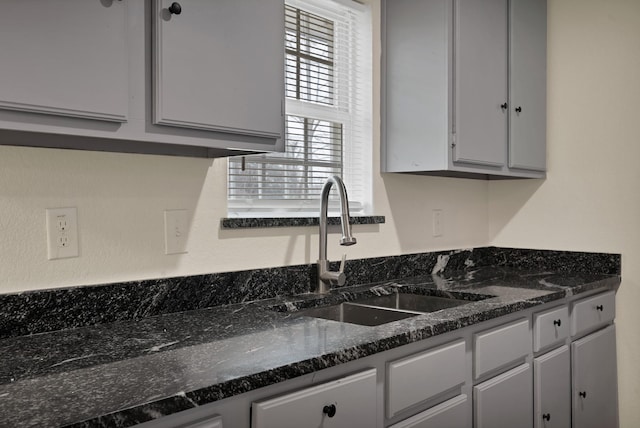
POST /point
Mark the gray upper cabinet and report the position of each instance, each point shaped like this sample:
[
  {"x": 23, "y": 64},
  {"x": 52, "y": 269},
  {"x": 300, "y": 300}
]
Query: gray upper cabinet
[
  {"x": 65, "y": 57},
  {"x": 528, "y": 84},
  {"x": 215, "y": 50},
  {"x": 480, "y": 88},
  {"x": 464, "y": 85},
  {"x": 135, "y": 76}
]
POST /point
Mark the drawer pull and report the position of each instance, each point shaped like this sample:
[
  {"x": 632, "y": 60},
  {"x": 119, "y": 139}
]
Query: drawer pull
[
  {"x": 546, "y": 416},
  {"x": 600, "y": 308},
  {"x": 557, "y": 322},
  {"x": 329, "y": 410},
  {"x": 583, "y": 394}
]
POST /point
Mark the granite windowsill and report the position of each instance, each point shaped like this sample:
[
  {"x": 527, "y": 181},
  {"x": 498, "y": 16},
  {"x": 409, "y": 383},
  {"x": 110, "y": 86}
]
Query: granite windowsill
[{"x": 264, "y": 222}]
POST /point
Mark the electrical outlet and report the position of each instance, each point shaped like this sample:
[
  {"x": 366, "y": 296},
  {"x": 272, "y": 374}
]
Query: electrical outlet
[
  {"x": 175, "y": 231},
  {"x": 437, "y": 222},
  {"x": 62, "y": 233}
]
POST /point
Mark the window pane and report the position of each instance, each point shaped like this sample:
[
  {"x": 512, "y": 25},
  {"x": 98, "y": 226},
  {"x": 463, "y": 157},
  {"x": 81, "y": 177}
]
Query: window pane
[
  {"x": 309, "y": 42},
  {"x": 313, "y": 153}
]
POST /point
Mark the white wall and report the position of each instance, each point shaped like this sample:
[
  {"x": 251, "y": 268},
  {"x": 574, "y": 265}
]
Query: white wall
[
  {"x": 590, "y": 200},
  {"x": 121, "y": 199}
]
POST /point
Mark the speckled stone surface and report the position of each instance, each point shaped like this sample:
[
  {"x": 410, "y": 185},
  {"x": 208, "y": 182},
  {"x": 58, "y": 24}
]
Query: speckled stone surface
[
  {"x": 262, "y": 222},
  {"x": 51, "y": 310},
  {"x": 130, "y": 371}
]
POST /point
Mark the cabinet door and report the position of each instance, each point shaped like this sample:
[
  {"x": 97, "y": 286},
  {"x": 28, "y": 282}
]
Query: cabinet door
[
  {"x": 454, "y": 413},
  {"x": 480, "y": 123},
  {"x": 65, "y": 57},
  {"x": 594, "y": 377},
  {"x": 219, "y": 66},
  {"x": 528, "y": 84},
  {"x": 506, "y": 401},
  {"x": 344, "y": 403},
  {"x": 552, "y": 383}
]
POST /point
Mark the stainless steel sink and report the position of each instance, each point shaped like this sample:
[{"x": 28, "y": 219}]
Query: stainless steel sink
[
  {"x": 357, "y": 314},
  {"x": 372, "y": 311},
  {"x": 414, "y": 302}
]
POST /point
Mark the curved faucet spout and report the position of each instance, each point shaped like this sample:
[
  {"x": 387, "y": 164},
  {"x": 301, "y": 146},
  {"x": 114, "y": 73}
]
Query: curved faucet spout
[{"x": 325, "y": 276}]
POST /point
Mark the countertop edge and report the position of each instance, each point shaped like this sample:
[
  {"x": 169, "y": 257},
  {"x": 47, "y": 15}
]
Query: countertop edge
[{"x": 243, "y": 384}]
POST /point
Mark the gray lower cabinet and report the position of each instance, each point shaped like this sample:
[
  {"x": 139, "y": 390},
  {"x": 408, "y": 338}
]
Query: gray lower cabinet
[
  {"x": 594, "y": 385},
  {"x": 486, "y": 376},
  {"x": 425, "y": 376},
  {"x": 450, "y": 414},
  {"x": 344, "y": 403},
  {"x": 505, "y": 401},
  {"x": 464, "y": 84},
  {"x": 552, "y": 389},
  {"x": 206, "y": 80}
]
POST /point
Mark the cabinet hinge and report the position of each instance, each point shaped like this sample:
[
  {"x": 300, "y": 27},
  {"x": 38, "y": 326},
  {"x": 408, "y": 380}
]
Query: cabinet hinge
[{"x": 453, "y": 141}]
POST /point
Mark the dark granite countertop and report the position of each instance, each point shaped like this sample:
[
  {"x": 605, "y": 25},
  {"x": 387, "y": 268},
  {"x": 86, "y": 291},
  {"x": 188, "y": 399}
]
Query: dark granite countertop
[{"x": 130, "y": 371}]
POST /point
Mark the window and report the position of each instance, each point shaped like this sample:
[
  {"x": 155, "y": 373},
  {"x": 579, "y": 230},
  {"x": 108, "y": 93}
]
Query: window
[{"x": 328, "y": 116}]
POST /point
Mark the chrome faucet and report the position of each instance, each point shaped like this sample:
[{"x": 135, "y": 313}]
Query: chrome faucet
[{"x": 326, "y": 277}]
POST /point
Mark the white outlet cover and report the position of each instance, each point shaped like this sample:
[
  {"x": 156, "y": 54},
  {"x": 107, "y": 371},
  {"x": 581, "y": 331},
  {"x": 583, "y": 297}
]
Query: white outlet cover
[
  {"x": 176, "y": 228},
  {"x": 62, "y": 233}
]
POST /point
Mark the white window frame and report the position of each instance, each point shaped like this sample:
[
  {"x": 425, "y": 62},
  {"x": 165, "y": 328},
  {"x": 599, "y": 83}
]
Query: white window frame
[{"x": 357, "y": 141}]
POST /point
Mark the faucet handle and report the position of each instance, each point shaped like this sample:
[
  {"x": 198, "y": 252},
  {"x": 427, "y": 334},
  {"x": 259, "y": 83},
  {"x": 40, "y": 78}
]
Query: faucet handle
[{"x": 341, "y": 278}]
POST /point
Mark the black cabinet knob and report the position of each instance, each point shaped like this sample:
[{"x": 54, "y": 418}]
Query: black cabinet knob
[
  {"x": 557, "y": 322},
  {"x": 600, "y": 308},
  {"x": 504, "y": 106},
  {"x": 583, "y": 394},
  {"x": 546, "y": 416},
  {"x": 329, "y": 410},
  {"x": 175, "y": 8},
  {"x": 518, "y": 109}
]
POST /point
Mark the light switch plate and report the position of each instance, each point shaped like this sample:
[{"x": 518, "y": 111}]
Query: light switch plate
[
  {"x": 176, "y": 224},
  {"x": 437, "y": 222},
  {"x": 62, "y": 233}
]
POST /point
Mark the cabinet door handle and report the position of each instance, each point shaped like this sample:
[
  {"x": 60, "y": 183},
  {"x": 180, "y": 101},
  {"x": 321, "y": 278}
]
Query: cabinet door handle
[
  {"x": 600, "y": 308},
  {"x": 329, "y": 410},
  {"x": 557, "y": 322},
  {"x": 504, "y": 106},
  {"x": 583, "y": 394},
  {"x": 518, "y": 109},
  {"x": 175, "y": 8},
  {"x": 546, "y": 416}
]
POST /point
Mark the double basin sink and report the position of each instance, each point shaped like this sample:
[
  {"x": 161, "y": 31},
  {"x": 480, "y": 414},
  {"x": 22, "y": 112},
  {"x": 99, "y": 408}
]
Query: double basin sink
[{"x": 377, "y": 310}]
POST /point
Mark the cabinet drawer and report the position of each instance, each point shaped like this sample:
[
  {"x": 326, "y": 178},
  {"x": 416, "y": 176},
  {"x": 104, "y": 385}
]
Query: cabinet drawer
[
  {"x": 422, "y": 376},
  {"x": 593, "y": 312},
  {"x": 346, "y": 402},
  {"x": 550, "y": 327},
  {"x": 501, "y": 346},
  {"x": 454, "y": 413}
]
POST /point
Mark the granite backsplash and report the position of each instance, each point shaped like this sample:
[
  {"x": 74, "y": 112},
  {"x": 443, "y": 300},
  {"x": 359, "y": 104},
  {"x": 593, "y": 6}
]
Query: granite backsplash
[{"x": 56, "y": 309}]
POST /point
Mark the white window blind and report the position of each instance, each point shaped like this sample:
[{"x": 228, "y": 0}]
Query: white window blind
[{"x": 328, "y": 116}]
